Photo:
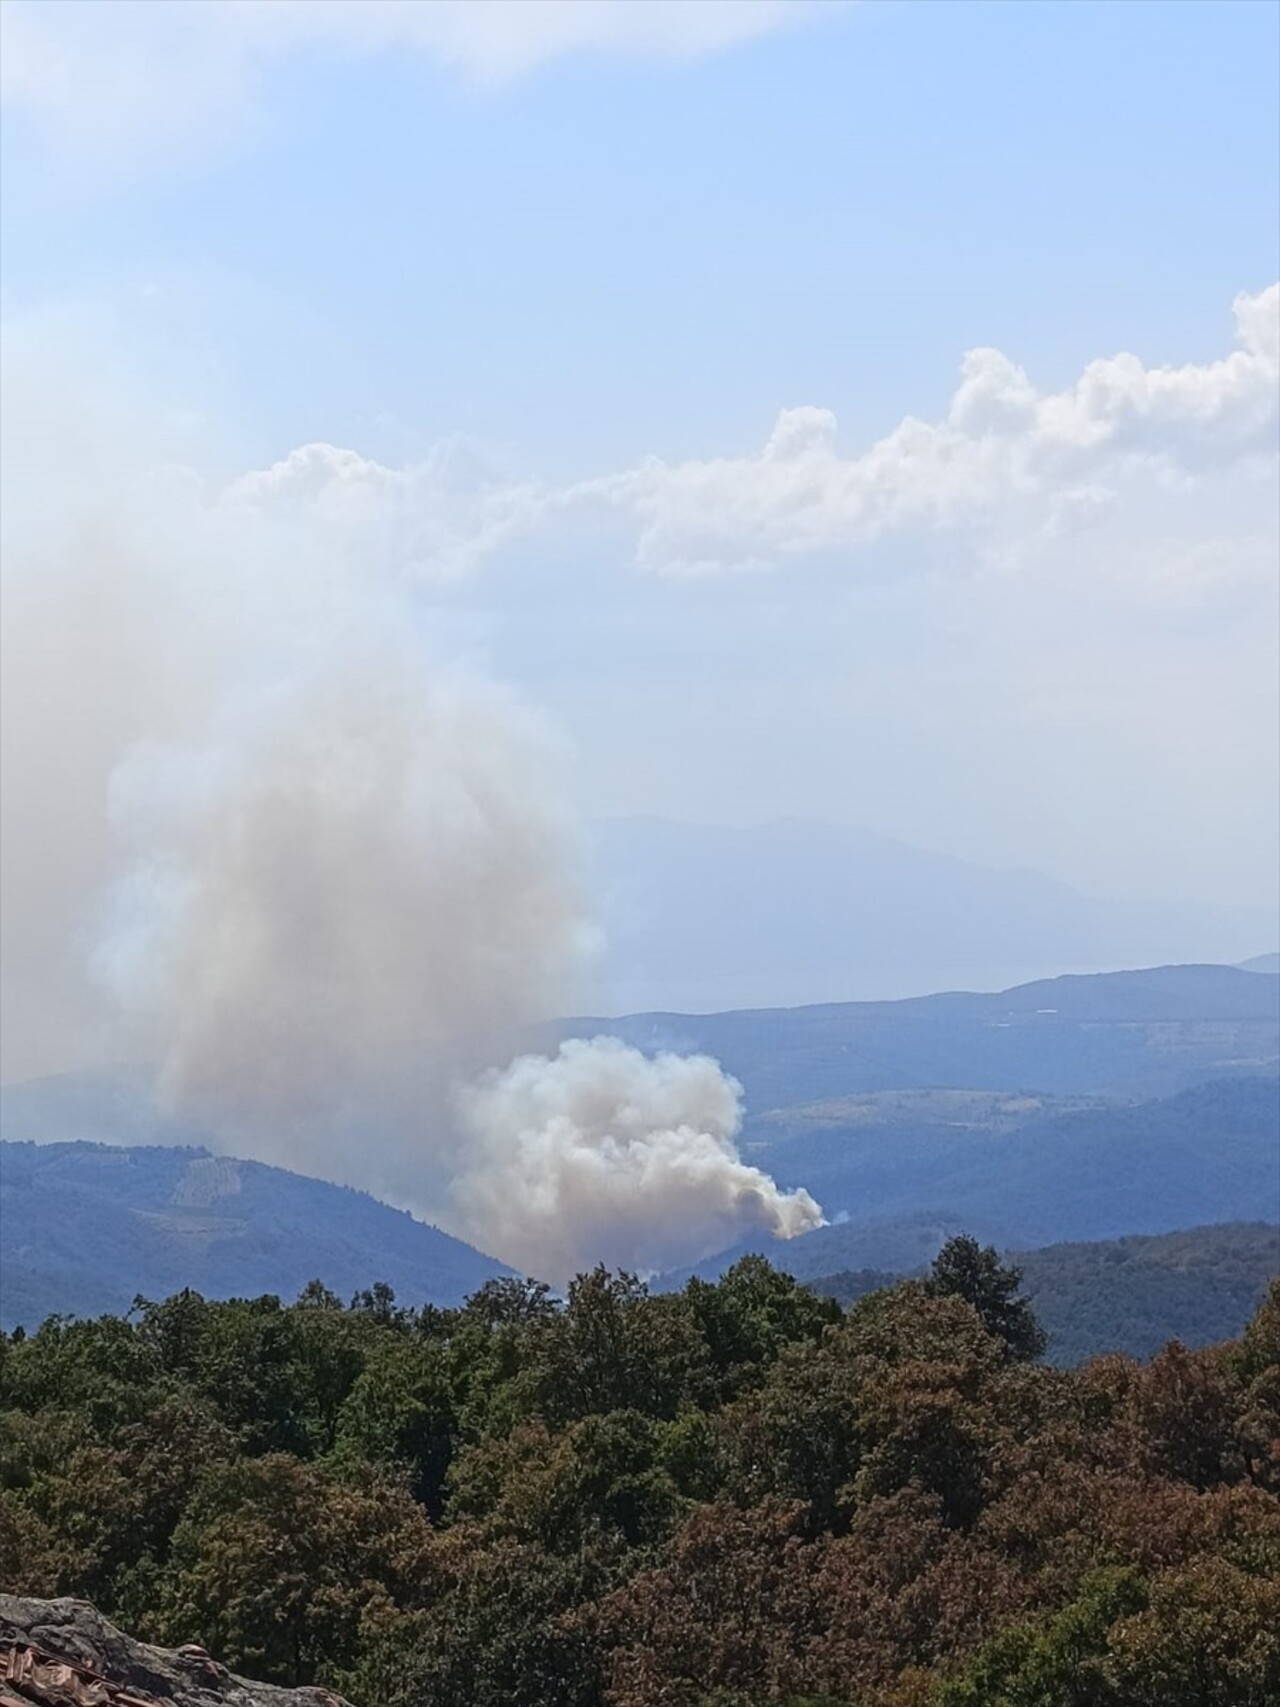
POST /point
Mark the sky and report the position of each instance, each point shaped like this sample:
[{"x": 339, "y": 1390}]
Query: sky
[{"x": 861, "y": 412}]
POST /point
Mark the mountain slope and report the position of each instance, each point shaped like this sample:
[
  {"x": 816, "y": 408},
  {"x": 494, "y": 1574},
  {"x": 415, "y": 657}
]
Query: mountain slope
[
  {"x": 1090, "y": 1173},
  {"x": 704, "y": 917},
  {"x": 1039, "y": 1114},
  {"x": 84, "y": 1227},
  {"x": 1199, "y": 1286},
  {"x": 1084, "y": 1173}
]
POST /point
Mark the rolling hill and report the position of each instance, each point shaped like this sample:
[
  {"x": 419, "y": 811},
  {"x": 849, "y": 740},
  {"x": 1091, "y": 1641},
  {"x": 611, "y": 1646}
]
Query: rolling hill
[
  {"x": 1081, "y": 1108},
  {"x": 85, "y": 1227},
  {"x": 1088, "y": 1172}
]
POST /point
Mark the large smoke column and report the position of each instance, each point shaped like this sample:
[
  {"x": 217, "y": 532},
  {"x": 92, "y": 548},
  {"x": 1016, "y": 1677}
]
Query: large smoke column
[
  {"x": 357, "y": 891},
  {"x": 322, "y": 872},
  {"x": 601, "y": 1150},
  {"x": 343, "y": 911}
]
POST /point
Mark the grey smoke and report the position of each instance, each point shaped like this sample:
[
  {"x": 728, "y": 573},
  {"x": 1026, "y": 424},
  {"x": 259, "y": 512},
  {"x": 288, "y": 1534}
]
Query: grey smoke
[
  {"x": 360, "y": 892},
  {"x": 261, "y": 832}
]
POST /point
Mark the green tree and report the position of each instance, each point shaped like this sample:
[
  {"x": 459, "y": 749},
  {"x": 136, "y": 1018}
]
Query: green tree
[
  {"x": 503, "y": 1627},
  {"x": 400, "y": 1412},
  {"x": 278, "y": 1568},
  {"x": 1062, "y": 1662},
  {"x": 750, "y": 1315},
  {"x": 965, "y": 1269},
  {"x": 615, "y": 1348}
]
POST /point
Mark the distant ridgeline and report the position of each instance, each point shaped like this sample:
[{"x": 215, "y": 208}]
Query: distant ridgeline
[
  {"x": 1113, "y": 1034},
  {"x": 896, "y": 1180},
  {"x": 834, "y": 914}
]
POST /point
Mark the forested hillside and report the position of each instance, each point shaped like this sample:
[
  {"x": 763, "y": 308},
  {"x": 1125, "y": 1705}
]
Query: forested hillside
[
  {"x": 896, "y": 1174},
  {"x": 1132, "y": 1295},
  {"x": 1079, "y": 1108},
  {"x": 734, "y": 1495},
  {"x": 85, "y": 1227}
]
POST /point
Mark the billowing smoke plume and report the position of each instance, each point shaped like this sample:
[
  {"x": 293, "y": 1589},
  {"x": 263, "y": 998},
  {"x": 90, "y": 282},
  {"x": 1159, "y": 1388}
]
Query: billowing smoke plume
[
  {"x": 361, "y": 891},
  {"x": 603, "y": 1152},
  {"x": 322, "y": 871}
]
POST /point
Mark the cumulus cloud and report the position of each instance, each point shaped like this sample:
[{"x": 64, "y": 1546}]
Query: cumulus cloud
[
  {"x": 1002, "y": 449},
  {"x": 325, "y": 872},
  {"x": 1005, "y": 462},
  {"x": 437, "y": 520},
  {"x": 602, "y": 1154},
  {"x": 126, "y": 74}
]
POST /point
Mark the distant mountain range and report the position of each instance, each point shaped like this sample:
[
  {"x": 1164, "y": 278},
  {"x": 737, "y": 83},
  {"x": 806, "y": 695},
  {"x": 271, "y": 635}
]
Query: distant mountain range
[
  {"x": 702, "y": 918},
  {"x": 1078, "y": 1108},
  {"x": 1199, "y": 1285},
  {"x": 1089, "y": 1172},
  {"x": 85, "y": 1227},
  {"x": 1115, "y": 1034}
]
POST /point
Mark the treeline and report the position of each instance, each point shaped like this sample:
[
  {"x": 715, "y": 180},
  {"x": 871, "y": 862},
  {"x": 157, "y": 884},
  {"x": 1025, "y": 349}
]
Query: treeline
[{"x": 734, "y": 1495}]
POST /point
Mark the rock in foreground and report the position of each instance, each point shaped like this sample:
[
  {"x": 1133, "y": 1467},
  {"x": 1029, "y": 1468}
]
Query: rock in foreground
[{"x": 63, "y": 1653}]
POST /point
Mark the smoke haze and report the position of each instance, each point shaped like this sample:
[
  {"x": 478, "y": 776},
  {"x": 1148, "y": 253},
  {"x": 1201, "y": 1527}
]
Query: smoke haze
[
  {"x": 360, "y": 893},
  {"x": 261, "y": 831}
]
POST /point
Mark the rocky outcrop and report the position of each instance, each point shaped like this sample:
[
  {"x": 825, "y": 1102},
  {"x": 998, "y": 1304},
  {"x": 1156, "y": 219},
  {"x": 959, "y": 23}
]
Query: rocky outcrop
[{"x": 63, "y": 1653}]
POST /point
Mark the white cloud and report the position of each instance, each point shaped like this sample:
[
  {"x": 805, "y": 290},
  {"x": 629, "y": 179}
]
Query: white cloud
[
  {"x": 438, "y": 519},
  {"x": 126, "y": 75},
  {"x": 163, "y": 600},
  {"x": 1002, "y": 450},
  {"x": 1007, "y": 462}
]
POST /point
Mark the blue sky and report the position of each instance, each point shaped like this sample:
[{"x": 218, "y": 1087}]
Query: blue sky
[
  {"x": 536, "y": 282},
  {"x": 609, "y": 257}
]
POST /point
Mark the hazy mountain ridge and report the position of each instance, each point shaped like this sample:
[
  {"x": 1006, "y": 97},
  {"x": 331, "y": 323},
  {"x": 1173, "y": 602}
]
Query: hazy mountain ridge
[
  {"x": 1086, "y": 1173},
  {"x": 1139, "y": 1033},
  {"x": 85, "y": 1226},
  {"x": 843, "y": 914}
]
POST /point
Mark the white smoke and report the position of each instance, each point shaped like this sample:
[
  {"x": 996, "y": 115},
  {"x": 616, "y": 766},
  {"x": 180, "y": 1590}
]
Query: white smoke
[
  {"x": 322, "y": 872},
  {"x": 602, "y": 1154}
]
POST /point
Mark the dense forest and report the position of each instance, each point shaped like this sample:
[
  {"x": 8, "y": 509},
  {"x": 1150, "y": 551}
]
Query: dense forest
[{"x": 732, "y": 1495}]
